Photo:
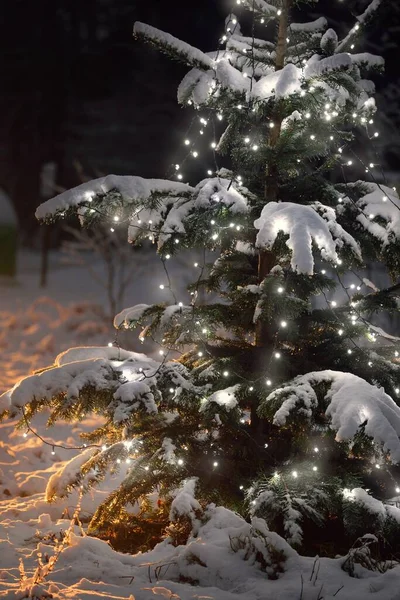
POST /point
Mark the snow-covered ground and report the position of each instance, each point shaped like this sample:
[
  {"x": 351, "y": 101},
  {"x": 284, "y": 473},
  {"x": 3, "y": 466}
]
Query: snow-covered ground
[{"x": 219, "y": 564}]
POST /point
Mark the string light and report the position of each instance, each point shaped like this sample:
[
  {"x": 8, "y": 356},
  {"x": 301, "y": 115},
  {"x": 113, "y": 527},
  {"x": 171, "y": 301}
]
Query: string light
[{"x": 294, "y": 474}]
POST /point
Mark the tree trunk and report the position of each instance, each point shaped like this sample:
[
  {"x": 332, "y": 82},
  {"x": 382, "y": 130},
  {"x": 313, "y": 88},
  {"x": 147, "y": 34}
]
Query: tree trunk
[{"x": 266, "y": 259}]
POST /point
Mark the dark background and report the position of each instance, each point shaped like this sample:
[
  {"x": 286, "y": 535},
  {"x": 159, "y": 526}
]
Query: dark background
[{"x": 79, "y": 91}]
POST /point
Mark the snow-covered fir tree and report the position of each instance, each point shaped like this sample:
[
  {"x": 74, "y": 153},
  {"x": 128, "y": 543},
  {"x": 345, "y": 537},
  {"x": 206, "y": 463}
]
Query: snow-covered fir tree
[{"x": 283, "y": 401}]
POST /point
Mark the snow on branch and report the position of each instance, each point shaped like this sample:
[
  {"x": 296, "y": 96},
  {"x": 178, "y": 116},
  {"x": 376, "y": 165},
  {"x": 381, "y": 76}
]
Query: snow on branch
[
  {"x": 316, "y": 67},
  {"x": 380, "y": 201},
  {"x": 351, "y": 402},
  {"x": 361, "y": 20},
  {"x": 184, "y": 503},
  {"x": 311, "y": 27},
  {"x": 131, "y": 188},
  {"x": 170, "y": 216},
  {"x": 68, "y": 476},
  {"x": 304, "y": 226},
  {"x": 168, "y": 43},
  {"x": 225, "y": 398},
  {"x": 69, "y": 379},
  {"x": 267, "y": 10}
]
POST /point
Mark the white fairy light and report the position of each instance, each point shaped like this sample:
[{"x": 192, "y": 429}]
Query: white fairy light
[
  {"x": 340, "y": 331},
  {"x": 116, "y": 218},
  {"x": 397, "y": 490},
  {"x": 349, "y": 351},
  {"x": 180, "y": 461},
  {"x": 255, "y": 147},
  {"x": 213, "y": 145},
  {"x": 246, "y": 140},
  {"x": 225, "y": 373},
  {"x": 334, "y": 303},
  {"x": 277, "y": 354},
  {"x": 187, "y": 142},
  {"x": 162, "y": 286},
  {"x": 112, "y": 229},
  {"x": 294, "y": 474},
  {"x": 215, "y": 463},
  {"x": 283, "y": 323},
  {"x": 251, "y": 388},
  {"x": 316, "y": 449},
  {"x": 104, "y": 447},
  {"x": 195, "y": 154},
  {"x": 315, "y": 468},
  {"x": 161, "y": 352},
  {"x": 268, "y": 382},
  {"x": 180, "y": 175},
  {"x": 280, "y": 290},
  {"x": 110, "y": 344}
]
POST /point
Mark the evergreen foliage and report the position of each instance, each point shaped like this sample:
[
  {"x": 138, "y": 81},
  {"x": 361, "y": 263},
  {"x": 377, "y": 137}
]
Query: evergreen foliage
[{"x": 284, "y": 396}]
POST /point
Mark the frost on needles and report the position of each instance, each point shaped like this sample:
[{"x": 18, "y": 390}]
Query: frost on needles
[{"x": 283, "y": 403}]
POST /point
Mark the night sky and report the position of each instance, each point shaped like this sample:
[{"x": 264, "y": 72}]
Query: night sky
[{"x": 78, "y": 90}]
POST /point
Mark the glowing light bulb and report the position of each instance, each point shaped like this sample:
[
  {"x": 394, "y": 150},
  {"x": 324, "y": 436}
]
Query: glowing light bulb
[
  {"x": 195, "y": 154},
  {"x": 349, "y": 351},
  {"x": 294, "y": 474},
  {"x": 283, "y": 324},
  {"x": 162, "y": 286},
  {"x": 251, "y": 388},
  {"x": 255, "y": 147},
  {"x": 340, "y": 332},
  {"x": 116, "y": 218},
  {"x": 225, "y": 373},
  {"x": 110, "y": 344},
  {"x": 397, "y": 490},
  {"x": 213, "y": 145},
  {"x": 246, "y": 140},
  {"x": 180, "y": 175},
  {"x": 316, "y": 449},
  {"x": 334, "y": 303},
  {"x": 280, "y": 290},
  {"x": 268, "y": 382},
  {"x": 277, "y": 354},
  {"x": 215, "y": 464},
  {"x": 315, "y": 468},
  {"x": 187, "y": 142},
  {"x": 180, "y": 461}
]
